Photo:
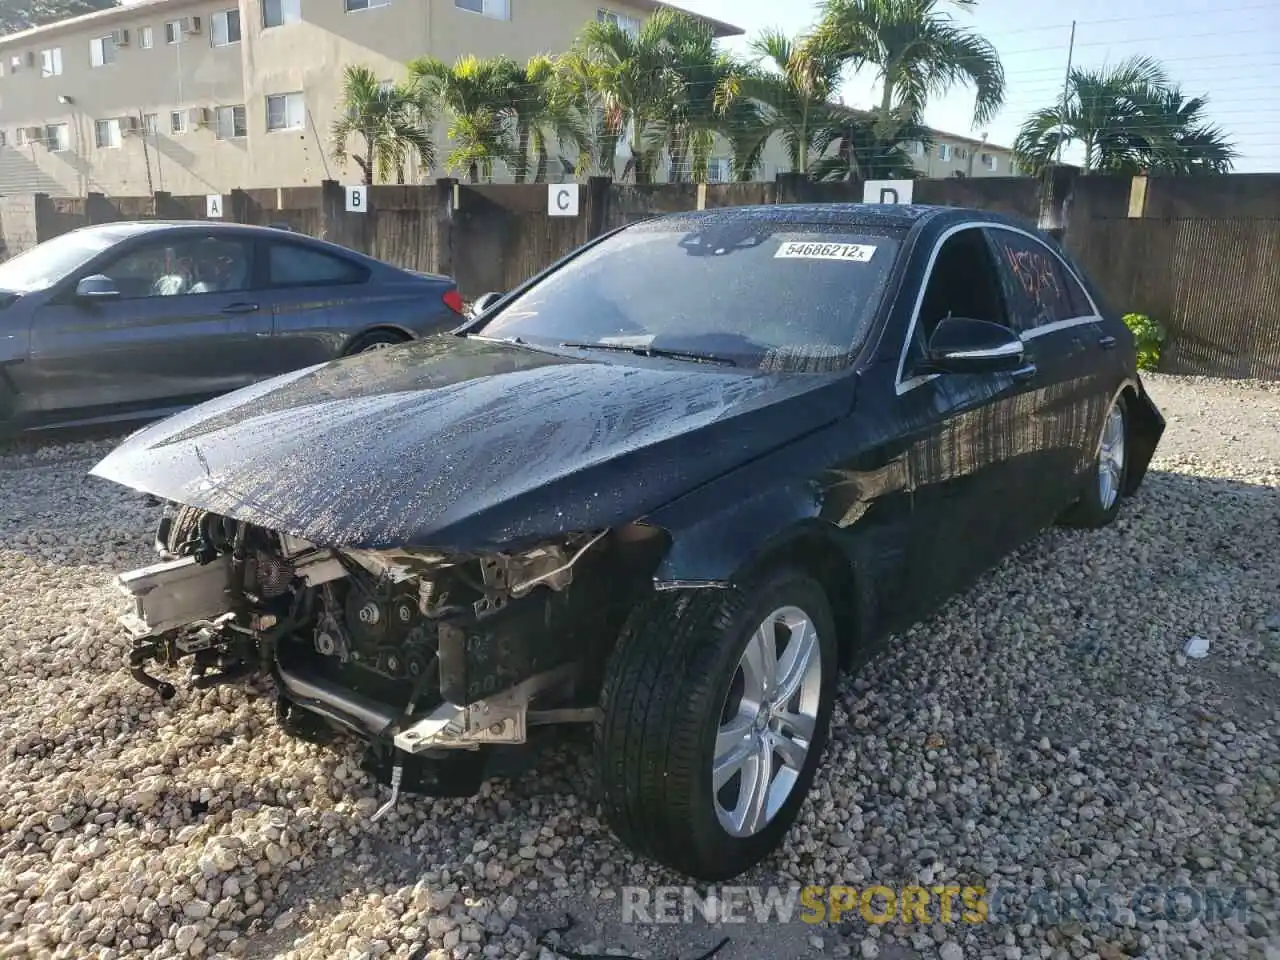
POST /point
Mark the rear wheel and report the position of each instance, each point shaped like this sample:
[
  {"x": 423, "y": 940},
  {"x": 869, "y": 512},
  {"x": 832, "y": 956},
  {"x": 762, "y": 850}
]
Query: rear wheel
[
  {"x": 376, "y": 340},
  {"x": 1104, "y": 483},
  {"x": 715, "y": 708}
]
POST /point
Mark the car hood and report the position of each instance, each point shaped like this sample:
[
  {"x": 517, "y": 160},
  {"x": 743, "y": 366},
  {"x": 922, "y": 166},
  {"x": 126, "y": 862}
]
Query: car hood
[{"x": 468, "y": 445}]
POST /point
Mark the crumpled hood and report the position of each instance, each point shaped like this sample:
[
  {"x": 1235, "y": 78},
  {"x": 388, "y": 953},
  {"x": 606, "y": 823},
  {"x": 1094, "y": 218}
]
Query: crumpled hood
[{"x": 468, "y": 445}]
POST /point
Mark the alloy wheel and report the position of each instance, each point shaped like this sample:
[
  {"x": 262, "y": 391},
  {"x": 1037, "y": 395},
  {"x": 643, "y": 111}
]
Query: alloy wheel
[
  {"x": 768, "y": 722},
  {"x": 1111, "y": 457}
]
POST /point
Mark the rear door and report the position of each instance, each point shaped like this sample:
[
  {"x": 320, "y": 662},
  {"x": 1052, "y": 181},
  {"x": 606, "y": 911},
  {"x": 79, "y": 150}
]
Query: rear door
[
  {"x": 182, "y": 328},
  {"x": 1065, "y": 341},
  {"x": 318, "y": 299}
]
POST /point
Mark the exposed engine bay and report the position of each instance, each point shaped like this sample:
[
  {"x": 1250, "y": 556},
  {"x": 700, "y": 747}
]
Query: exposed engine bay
[{"x": 420, "y": 654}]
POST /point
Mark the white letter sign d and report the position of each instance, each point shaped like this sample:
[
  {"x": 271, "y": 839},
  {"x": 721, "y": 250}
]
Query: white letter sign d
[{"x": 887, "y": 191}]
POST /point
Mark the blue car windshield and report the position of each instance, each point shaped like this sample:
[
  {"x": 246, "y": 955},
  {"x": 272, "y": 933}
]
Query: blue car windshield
[
  {"x": 757, "y": 292},
  {"x": 47, "y": 263}
]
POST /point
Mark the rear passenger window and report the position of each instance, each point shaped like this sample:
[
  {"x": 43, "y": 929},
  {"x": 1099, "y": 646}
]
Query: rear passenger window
[
  {"x": 292, "y": 266},
  {"x": 1039, "y": 288}
]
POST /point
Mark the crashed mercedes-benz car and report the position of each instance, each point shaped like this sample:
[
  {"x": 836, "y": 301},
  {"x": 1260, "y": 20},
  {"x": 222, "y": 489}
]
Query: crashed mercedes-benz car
[{"x": 670, "y": 487}]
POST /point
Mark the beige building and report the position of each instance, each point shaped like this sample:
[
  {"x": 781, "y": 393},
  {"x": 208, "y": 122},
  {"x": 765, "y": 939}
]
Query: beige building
[
  {"x": 952, "y": 155},
  {"x": 202, "y": 96},
  {"x": 199, "y": 96}
]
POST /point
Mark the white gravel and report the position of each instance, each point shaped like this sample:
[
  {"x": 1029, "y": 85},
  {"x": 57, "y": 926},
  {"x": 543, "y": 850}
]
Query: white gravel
[{"x": 1041, "y": 731}]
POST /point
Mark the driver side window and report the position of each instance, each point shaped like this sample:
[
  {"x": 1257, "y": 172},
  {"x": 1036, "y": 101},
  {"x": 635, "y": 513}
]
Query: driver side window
[
  {"x": 187, "y": 265},
  {"x": 964, "y": 282}
]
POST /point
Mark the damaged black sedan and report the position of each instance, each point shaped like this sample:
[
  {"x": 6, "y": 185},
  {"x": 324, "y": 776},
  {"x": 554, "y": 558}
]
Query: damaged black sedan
[{"x": 669, "y": 487}]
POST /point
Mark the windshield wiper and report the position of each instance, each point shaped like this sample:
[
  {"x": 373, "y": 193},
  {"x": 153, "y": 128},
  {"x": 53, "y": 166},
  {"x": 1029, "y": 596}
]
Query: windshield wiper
[{"x": 641, "y": 350}]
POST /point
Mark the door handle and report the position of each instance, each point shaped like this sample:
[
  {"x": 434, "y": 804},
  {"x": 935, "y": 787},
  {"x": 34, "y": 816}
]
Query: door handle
[
  {"x": 241, "y": 308},
  {"x": 1106, "y": 343},
  {"x": 1025, "y": 373}
]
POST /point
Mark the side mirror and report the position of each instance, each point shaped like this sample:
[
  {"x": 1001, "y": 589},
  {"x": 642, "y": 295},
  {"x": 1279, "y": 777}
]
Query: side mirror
[
  {"x": 485, "y": 302},
  {"x": 964, "y": 345},
  {"x": 97, "y": 287}
]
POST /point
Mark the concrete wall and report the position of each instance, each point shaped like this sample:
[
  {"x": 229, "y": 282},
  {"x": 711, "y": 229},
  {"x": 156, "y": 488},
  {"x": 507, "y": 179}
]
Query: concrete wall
[{"x": 18, "y": 228}]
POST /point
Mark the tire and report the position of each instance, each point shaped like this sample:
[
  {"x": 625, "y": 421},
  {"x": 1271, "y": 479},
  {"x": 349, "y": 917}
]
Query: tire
[
  {"x": 1100, "y": 498},
  {"x": 375, "y": 340},
  {"x": 673, "y": 678}
]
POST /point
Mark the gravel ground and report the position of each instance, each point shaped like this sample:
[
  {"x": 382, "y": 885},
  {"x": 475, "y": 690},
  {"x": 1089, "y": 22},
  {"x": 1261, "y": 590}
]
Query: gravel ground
[{"x": 1043, "y": 731}]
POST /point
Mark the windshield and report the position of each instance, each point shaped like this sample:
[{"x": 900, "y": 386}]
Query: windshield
[
  {"x": 753, "y": 292},
  {"x": 45, "y": 264}
]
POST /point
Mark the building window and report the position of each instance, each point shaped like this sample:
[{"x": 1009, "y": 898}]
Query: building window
[
  {"x": 57, "y": 137},
  {"x": 276, "y": 13},
  {"x": 4, "y": 139},
  {"x": 230, "y": 123},
  {"x": 173, "y": 32},
  {"x": 151, "y": 124},
  {"x": 146, "y": 38},
  {"x": 286, "y": 111},
  {"x": 354, "y": 5},
  {"x": 15, "y": 64},
  {"x": 718, "y": 170},
  {"x": 916, "y": 148},
  {"x": 177, "y": 121},
  {"x": 989, "y": 161},
  {"x": 629, "y": 24},
  {"x": 944, "y": 151},
  {"x": 226, "y": 28},
  {"x": 497, "y": 9},
  {"x": 51, "y": 62},
  {"x": 106, "y": 134},
  {"x": 961, "y": 153},
  {"x": 102, "y": 50}
]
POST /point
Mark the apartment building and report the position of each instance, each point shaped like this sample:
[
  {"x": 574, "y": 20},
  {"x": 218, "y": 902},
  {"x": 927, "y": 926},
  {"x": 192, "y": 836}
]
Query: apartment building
[
  {"x": 201, "y": 96},
  {"x": 952, "y": 155}
]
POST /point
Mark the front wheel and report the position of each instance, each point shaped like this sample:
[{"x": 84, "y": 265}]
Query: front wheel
[
  {"x": 714, "y": 715},
  {"x": 1104, "y": 483}
]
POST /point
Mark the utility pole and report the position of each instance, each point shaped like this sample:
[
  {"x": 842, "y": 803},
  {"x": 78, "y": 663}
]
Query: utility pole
[
  {"x": 146, "y": 152},
  {"x": 1066, "y": 84}
]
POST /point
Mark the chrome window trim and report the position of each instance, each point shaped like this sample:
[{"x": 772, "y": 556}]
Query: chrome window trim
[
  {"x": 989, "y": 353},
  {"x": 903, "y": 386}
]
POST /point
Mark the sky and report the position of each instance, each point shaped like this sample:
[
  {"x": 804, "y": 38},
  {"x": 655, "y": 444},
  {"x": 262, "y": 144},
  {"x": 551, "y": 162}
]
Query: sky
[{"x": 1229, "y": 51}]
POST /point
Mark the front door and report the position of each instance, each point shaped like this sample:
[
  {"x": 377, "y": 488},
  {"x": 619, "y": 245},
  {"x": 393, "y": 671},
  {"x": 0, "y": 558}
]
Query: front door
[
  {"x": 184, "y": 327},
  {"x": 968, "y": 461}
]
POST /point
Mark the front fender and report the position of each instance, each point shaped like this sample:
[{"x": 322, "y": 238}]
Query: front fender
[{"x": 714, "y": 537}]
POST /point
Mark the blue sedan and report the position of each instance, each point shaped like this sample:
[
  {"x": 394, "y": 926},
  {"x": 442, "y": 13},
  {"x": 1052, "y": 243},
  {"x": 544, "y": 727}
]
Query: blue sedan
[{"x": 129, "y": 321}]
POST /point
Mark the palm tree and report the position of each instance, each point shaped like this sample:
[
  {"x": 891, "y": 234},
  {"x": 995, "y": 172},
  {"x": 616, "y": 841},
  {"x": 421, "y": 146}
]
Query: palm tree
[
  {"x": 869, "y": 147},
  {"x": 917, "y": 49},
  {"x": 640, "y": 85},
  {"x": 543, "y": 108},
  {"x": 477, "y": 93},
  {"x": 1127, "y": 118},
  {"x": 1180, "y": 139},
  {"x": 705, "y": 82},
  {"x": 786, "y": 92},
  {"x": 391, "y": 119},
  {"x": 579, "y": 81}
]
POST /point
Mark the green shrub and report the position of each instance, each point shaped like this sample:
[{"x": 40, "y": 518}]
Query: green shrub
[{"x": 1149, "y": 337}]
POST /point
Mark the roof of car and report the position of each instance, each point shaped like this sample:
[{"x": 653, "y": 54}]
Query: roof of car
[
  {"x": 132, "y": 227},
  {"x": 902, "y": 215}
]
